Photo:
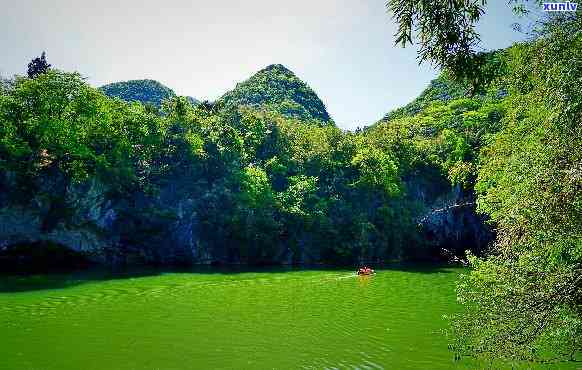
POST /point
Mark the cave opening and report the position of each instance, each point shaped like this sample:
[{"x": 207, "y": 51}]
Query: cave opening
[{"x": 40, "y": 256}]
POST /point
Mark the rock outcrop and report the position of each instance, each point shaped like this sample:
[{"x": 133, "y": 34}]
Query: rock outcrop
[
  {"x": 168, "y": 229},
  {"x": 448, "y": 222}
]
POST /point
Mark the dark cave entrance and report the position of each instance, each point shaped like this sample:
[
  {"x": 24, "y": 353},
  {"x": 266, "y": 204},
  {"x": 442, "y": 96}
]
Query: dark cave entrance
[{"x": 40, "y": 256}]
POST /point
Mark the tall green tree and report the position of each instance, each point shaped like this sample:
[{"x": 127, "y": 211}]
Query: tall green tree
[
  {"x": 524, "y": 300},
  {"x": 528, "y": 293}
]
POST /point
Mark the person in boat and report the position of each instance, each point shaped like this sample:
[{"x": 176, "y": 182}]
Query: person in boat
[{"x": 365, "y": 271}]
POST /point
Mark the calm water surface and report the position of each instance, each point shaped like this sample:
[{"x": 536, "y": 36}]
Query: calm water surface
[{"x": 245, "y": 320}]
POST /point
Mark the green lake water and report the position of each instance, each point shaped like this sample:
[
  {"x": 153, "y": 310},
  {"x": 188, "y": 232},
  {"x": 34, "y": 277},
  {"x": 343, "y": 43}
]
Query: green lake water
[{"x": 228, "y": 320}]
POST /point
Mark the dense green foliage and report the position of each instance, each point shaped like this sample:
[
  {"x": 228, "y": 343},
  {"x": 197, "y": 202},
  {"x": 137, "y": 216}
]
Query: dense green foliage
[
  {"x": 528, "y": 293},
  {"x": 277, "y": 88},
  {"x": 57, "y": 121},
  {"x": 524, "y": 300},
  {"x": 440, "y": 89},
  {"x": 143, "y": 91},
  {"x": 261, "y": 180}
]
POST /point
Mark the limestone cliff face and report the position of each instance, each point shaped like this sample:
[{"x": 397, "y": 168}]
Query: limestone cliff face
[
  {"x": 89, "y": 218},
  {"x": 77, "y": 217},
  {"x": 170, "y": 227},
  {"x": 447, "y": 220}
]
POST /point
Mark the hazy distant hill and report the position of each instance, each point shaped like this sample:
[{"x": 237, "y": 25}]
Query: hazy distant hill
[
  {"x": 277, "y": 88},
  {"x": 193, "y": 100}
]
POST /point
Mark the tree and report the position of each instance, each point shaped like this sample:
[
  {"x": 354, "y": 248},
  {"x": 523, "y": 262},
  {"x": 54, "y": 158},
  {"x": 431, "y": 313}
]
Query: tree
[
  {"x": 528, "y": 294},
  {"x": 38, "y": 66},
  {"x": 446, "y": 29},
  {"x": 524, "y": 300},
  {"x": 446, "y": 35},
  {"x": 376, "y": 171}
]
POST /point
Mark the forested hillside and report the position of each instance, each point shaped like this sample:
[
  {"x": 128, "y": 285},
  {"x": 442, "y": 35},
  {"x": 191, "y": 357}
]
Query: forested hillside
[
  {"x": 247, "y": 179},
  {"x": 143, "y": 91},
  {"x": 276, "y": 88},
  {"x": 523, "y": 299}
]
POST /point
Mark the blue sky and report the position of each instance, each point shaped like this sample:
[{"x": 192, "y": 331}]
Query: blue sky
[{"x": 342, "y": 48}]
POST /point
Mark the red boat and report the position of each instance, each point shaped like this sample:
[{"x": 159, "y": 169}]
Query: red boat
[{"x": 365, "y": 271}]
